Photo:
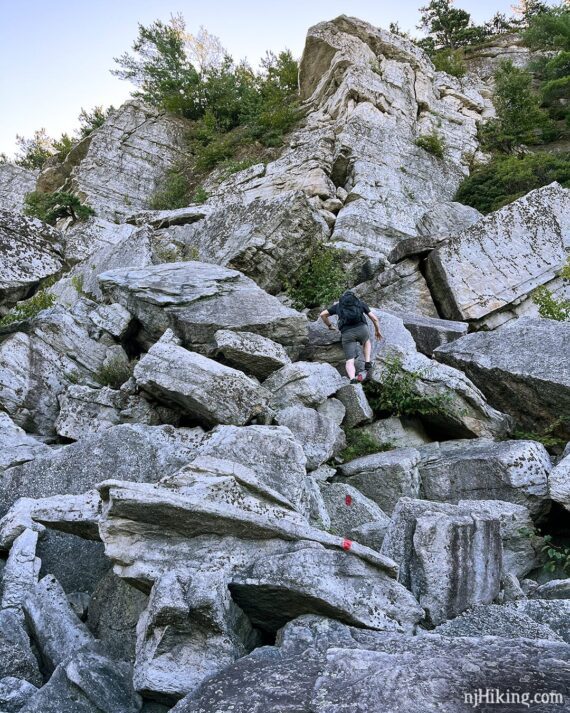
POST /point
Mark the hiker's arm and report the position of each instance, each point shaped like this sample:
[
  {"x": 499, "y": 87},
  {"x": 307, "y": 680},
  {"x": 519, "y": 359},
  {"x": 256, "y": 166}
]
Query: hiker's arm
[
  {"x": 376, "y": 324},
  {"x": 325, "y": 314}
]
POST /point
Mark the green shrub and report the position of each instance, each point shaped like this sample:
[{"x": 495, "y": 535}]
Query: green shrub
[
  {"x": 547, "y": 436},
  {"x": 450, "y": 61},
  {"x": 432, "y": 143},
  {"x": 49, "y": 207},
  {"x": 232, "y": 166},
  {"x": 29, "y": 308},
  {"x": 557, "y": 556},
  {"x": 174, "y": 193},
  {"x": 397, "y": 394},
  {"x": 549, "y": 307},
  {"x": 200, "y": 195},
  {"x": 115, "y": 372},
  {"x": 506, "y": 178},
  {"x": 361, "y": 443},
  {"x": 549, "y": 30},
  {"x": 320, "y": 281}
]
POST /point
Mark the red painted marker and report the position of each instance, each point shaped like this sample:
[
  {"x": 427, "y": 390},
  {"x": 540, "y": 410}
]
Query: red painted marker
[
  {"x": 348, "y": 499},
  {"x": 346, "y": 544}
]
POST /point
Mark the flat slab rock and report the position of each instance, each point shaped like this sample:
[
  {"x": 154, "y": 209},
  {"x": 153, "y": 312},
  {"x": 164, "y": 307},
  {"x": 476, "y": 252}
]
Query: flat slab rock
[
  {"x": 326, "y": 667},
  {"x": 15, "y": 182}
]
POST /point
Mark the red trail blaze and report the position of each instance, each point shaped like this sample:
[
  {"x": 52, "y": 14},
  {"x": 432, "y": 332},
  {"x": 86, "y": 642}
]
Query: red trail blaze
[
  {"x": 346, "y": 544},
  {"x": 348, "y": 500}
]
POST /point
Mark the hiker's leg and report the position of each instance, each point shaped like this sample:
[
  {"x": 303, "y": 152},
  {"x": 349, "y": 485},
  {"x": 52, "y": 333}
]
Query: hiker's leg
[
  {"x": 367, "y": 348},
  {"x": 350, "y": 368}
]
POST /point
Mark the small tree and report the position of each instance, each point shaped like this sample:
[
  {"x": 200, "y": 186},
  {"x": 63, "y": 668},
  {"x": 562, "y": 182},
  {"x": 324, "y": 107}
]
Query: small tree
[
  {"x": 94, "y": 119},
  {"x": 448, "y": 26},
  {"x": 34, "y": 152}
]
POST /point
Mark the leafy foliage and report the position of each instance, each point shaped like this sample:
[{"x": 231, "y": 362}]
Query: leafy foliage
[
  {"x": 49, "y": 207},
  {"x": 29, "y": 308},
  {"x": 115, "y": 372},
  {"x": 506, "y": 178},
  {"x": 547, "y": 436},
  {"x": 548, "y": 28},
  {"x": 549, "y": 307},
  {"x": 450, "y": 61},
  {"x": 321, "y": 279},
  {"x": 360, "y": 443},
  {"x": 558, "y": 556},
  {"x": 174, "y": 192},
  {"x": 94, "y": 119},
  {"x": 432, "y": 143},
  {"x": 397, "y": 393},
  {"x": 447, "y": 26},
  {"x": 34, "y": 152}
]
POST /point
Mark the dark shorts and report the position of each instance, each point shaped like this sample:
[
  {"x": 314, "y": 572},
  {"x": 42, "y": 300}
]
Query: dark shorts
[{"x": 352, "y": 337}]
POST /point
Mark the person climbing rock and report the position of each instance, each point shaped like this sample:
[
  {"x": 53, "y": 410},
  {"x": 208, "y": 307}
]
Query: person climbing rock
[{"x": 352, "y": 313}]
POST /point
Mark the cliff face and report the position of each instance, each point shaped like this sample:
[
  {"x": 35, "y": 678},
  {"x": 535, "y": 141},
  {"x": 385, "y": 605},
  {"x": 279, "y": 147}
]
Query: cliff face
[{"x": 181, "y": 517}]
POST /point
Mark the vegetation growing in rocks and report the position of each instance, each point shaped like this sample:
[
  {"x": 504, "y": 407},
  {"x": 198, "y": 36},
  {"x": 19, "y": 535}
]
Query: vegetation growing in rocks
[
  {"x": 27, "y": 309},
  {"x": 396, "y": 394},
  {"x": 549, "y": 306},
  {"x": 432, "y": 143},
  {"x": 360, "y": 443},
  {"x": 450, "y": 61},
  {"x": 558, "y": 556},
  {"x": 49, "y": 207},
  {"x": 547, "y": 436},
  {"x": 115, "y": 372},
  {"x": 320, "y": 281},
  {"x": 174, "y": 191}
]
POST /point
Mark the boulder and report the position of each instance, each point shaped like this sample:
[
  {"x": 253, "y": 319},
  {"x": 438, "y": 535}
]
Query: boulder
[
  {"x": 21, "y": 572},
  {"x": 349, "y": 509},
  {"x": 503, "y": 257},
  {"x": 93, "y": 235},
  {"x": 16, "y": 446},
  {"x": 555, "y": 589},
  {"x": 559, "y": 482},
  {"x": 14, "y": 693},
  {"x": 16, "y": 656},
  {"x": 450, "y": 558},
  {"x": 30, "y": 251},
  {"x": 147, "y": 454},
  {"x": 400, "y": 432},
  {"x": 429, "y": 333},
  {"x": 446, "y": 220},
  {"x": 208, "y": 392},
  {"x": 319, "y": 435},
  {"x": 76, "y": 563},
  {"x": 323, "y": 665},
  {"x": 496, "y": 620},
  {"x": 197, "y": 299},
  {"x": 15, "y": 182},
  {"x": 358, "y": 410},
  {"x": 268, "y": 239},
  {"x": 554, "y": 613},
  {"x": 334, "y": 409},
  {"x": 384, "y": 477},
  {"x": 113, "y": 319},
  {"x": 518, "y": 367},
  {"x": 305, "y": 383},
  {"x": 481, "y": 469},
  {"x": 252, "y": 353}
]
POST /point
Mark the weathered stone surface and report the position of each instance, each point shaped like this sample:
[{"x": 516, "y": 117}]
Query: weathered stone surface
[
  {"x": 147, "y": 453},
  {"x": 430, "y": 333},
  {"x": 15, "y": 182},
  {"x": 496, "y": 620},
  {"x": 503, "y": 257},
  {"x": 325, "y": 666},
  {"x": 400, "y": 432},
  {"x": 56, "y": 629},
  {"x": 271, "y": 452},
  {"x": 504, "y": 364},
  {"x": 447, "y": 219},
  {"x": 358, "y": 410},
  {"x": 449, "y": 558},
  {"x": 334, "y": 409},
  {"x": 268, "y": 239},
  {"x": 384, "y": 477},
  {"x": 87, "y": 683},
  {"x": 16, "y": 657},
  {"x": 559, "y": 482},
  {"x": 209, "y": 392},
  {"x": 250, "y": 352},
  {"x": 481, "y": 469},
  {"x": 348, "y": 509},
  {"x": 278, "y": 588},
  {"x": 305, "y": 383},
  {"x": 554, "y": 613},
  {"x": 93, "y": 235},
  {"x": 113, "y": 319},
  {"x": 15, "y": 445},
  {"x": 85, "y": 411},
  {"x": 319, "y": 435},
  {"x": 197, "y": 299},
  {"x": 21, "y": 572},
  {"x": 555, "y": 589},
  {"x": 484, "y": 60},
  {"x": 29, "y": 252},
  {"x": 14, "y": 692}
]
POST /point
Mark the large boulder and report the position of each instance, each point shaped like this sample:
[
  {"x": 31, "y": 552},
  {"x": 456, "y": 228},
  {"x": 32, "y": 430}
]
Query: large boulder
[
  {"x": 15, "y": 182},
  {"x": 93, "y": 236},
  {"x": 554, "y": 613},
  {"x": 500, "y": 259},
  {"x": 302, "y": 382},
  {"x": 16, "y": 656},
  {"x": 16, "y": 446},
  {"x": 319, "y": 435},
  {"x": 30, "y": 251},
  {"x": 445, "y": 220},
  {"x": 203, "y": 389},
  {"x": 252, "y": 353},
  {"x": 519, "y": 368},
  {"x": 429, "y": 333},
  {"x": 559, "y": 482},
  {"x": 348, "y": 510},
  {"x": 481, "y": 469},
  {"x": 21, "y": 572},
  {"x": 197, "y": 299}
]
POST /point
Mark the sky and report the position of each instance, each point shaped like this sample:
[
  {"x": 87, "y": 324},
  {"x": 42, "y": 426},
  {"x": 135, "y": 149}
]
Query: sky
[{"x": 55, "y": 55}]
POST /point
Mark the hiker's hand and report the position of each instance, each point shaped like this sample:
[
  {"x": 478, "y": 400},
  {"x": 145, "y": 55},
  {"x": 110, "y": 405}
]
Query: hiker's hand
[
  {"x": 378, "y": 334},
  {"x": 332, "y": 327}
]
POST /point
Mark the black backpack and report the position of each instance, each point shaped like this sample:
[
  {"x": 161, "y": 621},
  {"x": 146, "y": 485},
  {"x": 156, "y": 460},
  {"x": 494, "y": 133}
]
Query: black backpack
[{"x": 350, "y": 310}]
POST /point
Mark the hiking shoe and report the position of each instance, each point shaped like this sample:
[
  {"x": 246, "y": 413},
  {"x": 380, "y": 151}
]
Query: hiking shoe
[{"x": 355, "y": 380}]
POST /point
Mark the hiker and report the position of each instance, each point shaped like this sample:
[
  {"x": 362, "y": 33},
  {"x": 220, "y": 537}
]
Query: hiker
[{"x": 352, "y": 314}]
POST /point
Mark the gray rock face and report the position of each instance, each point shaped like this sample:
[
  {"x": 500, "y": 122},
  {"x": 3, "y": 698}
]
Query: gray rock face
[
  {"x": 15, "y": 182},
  {"x": 430, "y": 333},
  {"x": 14, "y": 693},
  {"x": 449, "y": 558},
  {"x": 319, "y": 435},
  {"x": 447, "y": 219},
  {"x": 480, "y": 469},
  {"x": 126, "y": 160},
  {"x": 496, "y": 620},
  {"x": 56, "y": 629},
  {"x": 349, "y": 509},
  {"x": 250, "y": 352},
  {"x": 554, "y": 613},
  {"x": 503, "y": 363},
  {"x": 93, "y": 236},
  {"x": 203, "y": 389},
  {"x": 358, "y": 410},
  {"x": 29, "y": 252},
  {"x": 197, "y": 299},
  {"x": 305, "y": 383},
  {"x": 482, "y": 270},
  {"x": 559, "y": 482},
  {"x": 555, "y": 589},
  {"x": 268, "y": 239},
  {"x": 384, "y": 477},
  {"x": 113, "y": 319},
  {"x": 401, "y": 432},
  {"x": 21, "y": 572},
  {"x": 87, "y": 683},
  {"x": 16, "y": 446},
  {"x": 323, "y": 665},
  {"x": 147, "y": 454},
  {"x": 16, "y": 657}
]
